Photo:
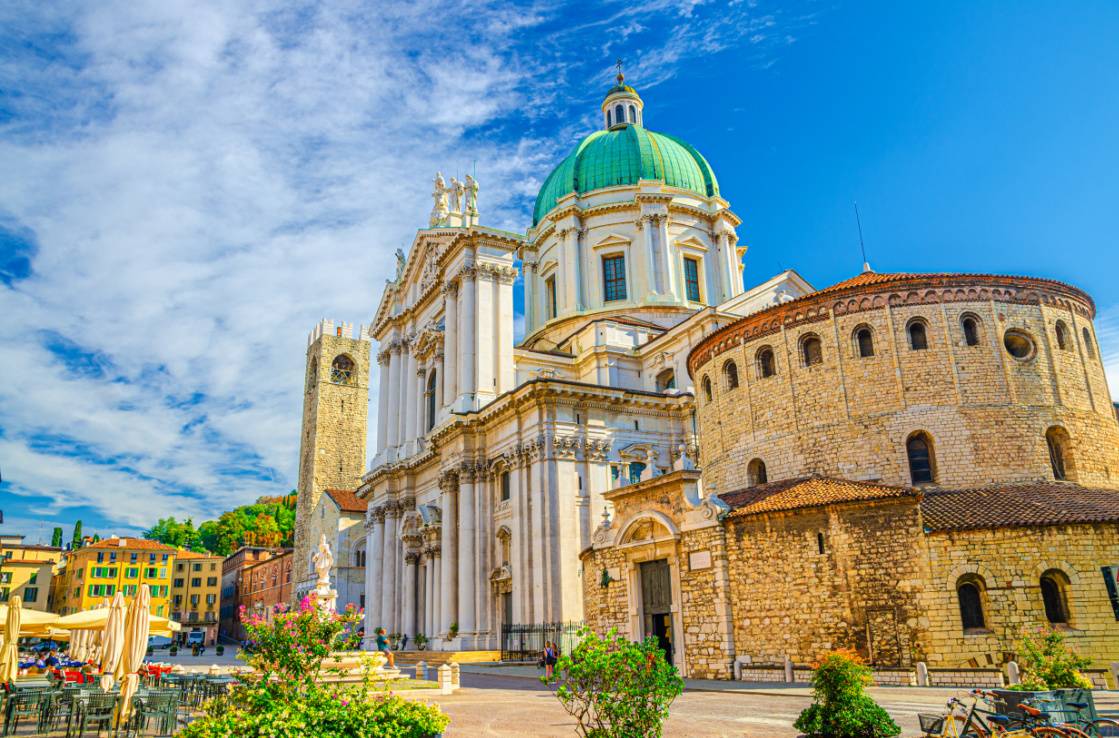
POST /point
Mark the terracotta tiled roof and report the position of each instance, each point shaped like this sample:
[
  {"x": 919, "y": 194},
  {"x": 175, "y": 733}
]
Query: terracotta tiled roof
[
  {"x": 347, "y": 501},
  {"x": 1002, "y": 506},
  {"x": 131, "y": 543},
  {"x": 802, "y": 492},
  {"x": 183, "y": 554}
]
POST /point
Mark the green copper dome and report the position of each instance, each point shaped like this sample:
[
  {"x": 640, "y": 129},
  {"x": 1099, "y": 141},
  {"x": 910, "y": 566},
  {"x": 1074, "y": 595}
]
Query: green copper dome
[{"x": 623, "y": 156}]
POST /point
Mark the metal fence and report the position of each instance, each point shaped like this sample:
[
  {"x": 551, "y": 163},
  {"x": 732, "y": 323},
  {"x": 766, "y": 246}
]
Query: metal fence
[{"x": 525, "y": 642}]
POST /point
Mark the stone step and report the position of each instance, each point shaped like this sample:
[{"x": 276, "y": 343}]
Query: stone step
[{"x": 438, "y": 658}]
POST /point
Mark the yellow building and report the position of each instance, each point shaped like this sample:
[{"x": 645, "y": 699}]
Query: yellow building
[
  {"x": 26, "y": 570},
  {"x": 95, "y": 573},
  {"x": 196, "y": 593}
]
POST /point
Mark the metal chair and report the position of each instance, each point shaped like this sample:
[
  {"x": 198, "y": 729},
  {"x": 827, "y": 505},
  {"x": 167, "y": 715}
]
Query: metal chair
[
  {"x": 23, "y": 704},
  {"x": 96, "y": 708}
]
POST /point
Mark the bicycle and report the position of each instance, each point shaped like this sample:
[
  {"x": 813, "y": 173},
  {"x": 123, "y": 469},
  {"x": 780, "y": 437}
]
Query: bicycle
[
  {"x": 1084, "y": 725},
  {"x": 972, "y": 721}
]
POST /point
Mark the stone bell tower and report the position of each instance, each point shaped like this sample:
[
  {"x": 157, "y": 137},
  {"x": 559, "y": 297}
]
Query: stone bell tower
[{"x": 332, "y": 443}]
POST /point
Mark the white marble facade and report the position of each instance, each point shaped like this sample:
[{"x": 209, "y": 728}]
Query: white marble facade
[{"x": 492, "y": 457}]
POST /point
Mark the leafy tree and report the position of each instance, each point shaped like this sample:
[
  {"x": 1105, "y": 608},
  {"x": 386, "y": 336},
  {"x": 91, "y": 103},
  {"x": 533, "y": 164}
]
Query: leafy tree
[
  {"x": 173, "y": 533},
  {"x": 1048, "y": 663},
  {"x": 270, "y": 521},
  {"x": 56, "y": 538},
  {"x": 76, "y": 539},
  {"x": 96, "y": 537},
  {"x": 841, "y": 707},
  {"x": 615, "y": 688}
]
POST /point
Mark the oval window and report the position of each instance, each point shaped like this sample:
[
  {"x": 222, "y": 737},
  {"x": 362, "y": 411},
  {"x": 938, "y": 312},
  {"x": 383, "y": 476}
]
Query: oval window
[{"x": 1018, "y": 344}]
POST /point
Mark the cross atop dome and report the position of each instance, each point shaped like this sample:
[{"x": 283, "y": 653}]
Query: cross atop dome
[{"x": 622, "y": 106}]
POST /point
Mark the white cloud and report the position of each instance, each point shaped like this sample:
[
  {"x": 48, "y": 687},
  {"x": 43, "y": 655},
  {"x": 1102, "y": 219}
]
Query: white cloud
[{"x": 207, "y": 180}]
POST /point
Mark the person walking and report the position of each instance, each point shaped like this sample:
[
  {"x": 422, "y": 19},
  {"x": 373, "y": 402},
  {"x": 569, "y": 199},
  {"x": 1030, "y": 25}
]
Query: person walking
[
  {"x": 383, "y": 647},
  {"x": 550, "y": 658}
]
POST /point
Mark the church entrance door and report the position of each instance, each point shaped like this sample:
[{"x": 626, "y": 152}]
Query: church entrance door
[{"x": 656, "y": 603}]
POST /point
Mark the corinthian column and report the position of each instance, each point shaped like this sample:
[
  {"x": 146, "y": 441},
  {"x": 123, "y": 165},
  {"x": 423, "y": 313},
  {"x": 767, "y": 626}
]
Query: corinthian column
[
  {"x": 408, "y": 621},
  {"x": 448, "y": 553},
  {"x": 466, "y": 341},
  {"x": 450, "y": 343},
  {"x": 374, "y": 555},
  {"x": 383, "y": 400},
  {"x": 466, "y": 553},
  {"x": 408, "y": 402},
  {"x": 388, "y": 582},
  {"x": 393, "y": 396}
]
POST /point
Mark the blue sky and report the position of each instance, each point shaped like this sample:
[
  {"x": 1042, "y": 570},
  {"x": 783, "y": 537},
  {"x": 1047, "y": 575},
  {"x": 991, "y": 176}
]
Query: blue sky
[{"x": 189, "y": 186}]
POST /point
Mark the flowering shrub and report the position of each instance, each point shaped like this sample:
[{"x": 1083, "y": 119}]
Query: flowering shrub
[
  {"x": 282, "y": 697},
  {"x": 1048, "y": 663},
  {"x": 615, "y": 688}
]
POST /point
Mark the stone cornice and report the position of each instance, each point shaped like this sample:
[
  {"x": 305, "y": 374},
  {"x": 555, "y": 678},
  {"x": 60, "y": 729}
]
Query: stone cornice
[{"x": 890, "y": 291}]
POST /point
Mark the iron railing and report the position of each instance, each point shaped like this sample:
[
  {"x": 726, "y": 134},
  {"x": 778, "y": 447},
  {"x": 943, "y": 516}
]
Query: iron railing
[{"x": 525, "y": 642}]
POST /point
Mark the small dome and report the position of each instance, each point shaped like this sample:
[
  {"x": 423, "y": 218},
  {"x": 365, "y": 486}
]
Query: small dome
[{"x": 622, "y": 156}]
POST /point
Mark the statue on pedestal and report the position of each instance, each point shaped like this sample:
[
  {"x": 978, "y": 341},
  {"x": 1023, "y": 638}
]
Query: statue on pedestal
[
  {"x": 439, "y": 196},
  {"x": 470, "y": 212},
  {"x": 324, "y": 561},
  {"x": 456, "y": 195}
]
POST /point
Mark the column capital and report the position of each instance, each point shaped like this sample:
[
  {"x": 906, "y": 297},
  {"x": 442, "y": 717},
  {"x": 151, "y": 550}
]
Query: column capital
[
  {"x": 412, "y": 558},
  {"x": 378, "y": 514}
]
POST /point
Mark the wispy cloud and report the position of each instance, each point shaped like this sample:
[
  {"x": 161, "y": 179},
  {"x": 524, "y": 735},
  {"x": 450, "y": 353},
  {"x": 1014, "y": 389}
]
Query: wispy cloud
[{"x": 190, "y": 186}]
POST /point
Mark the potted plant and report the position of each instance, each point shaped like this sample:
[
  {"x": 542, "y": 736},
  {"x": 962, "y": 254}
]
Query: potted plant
[
  {"x": 220, "y": 649},
  {"x": 1050, "y": 671},
  {"x": 173, "y": 650},
  {"x": 452, "y": 631},
  {"x": 841, "y": 708},
  {"x": 421, "y": 642}
]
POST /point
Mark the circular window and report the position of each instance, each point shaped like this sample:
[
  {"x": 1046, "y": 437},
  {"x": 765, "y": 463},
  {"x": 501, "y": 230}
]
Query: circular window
[{"x": 1018, "y": 344}]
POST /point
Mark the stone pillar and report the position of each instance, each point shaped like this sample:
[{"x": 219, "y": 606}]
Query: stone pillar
[
  {"x": 483, "y": 515},
  {"x": 408, "y": 401},
  {"x": 450, "y": 343},
  {"x": 521, "y": 562},
  {"x": 383, "y": 400},
  {"x": 648, "y": 257},
  {"x": 531, "y": 289},
  {"x": 467, "y": 348},
  {"x": 388, "y": 584},
  {"x": 392, "y": 397},
  {"x": 374, "y": 553},
  {"x": 408, "y": 621},
  {"x": 667, "y": 268},
  {"x": 506, "y": 370},
  {"x": 448, "y": 554},
  {"x": 467, "y": 562},
  {"x": 421, "y": 401},
  {"x": 431, "y": 605},
  {"x": 569, "y": 270},
  {"x": 485, "y": 333}
]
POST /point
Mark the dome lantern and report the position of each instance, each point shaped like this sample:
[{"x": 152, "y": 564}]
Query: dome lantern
[{"x": 622, "y": 106}]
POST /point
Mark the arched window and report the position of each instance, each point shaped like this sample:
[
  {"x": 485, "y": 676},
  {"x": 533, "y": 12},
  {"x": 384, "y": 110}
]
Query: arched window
[
  {"x": 1062, "y": 336},
  {"x": 971, "y": 330},
  {"x": 342, "y": 369},
  {"x": 730, "y": 373},
  {"x": 632, "y": 114},
  {"x": 666, "y": 380},
  {"x": 1054, "y": 585},
  {"x": 969, "y": 591},
  {"x": 430, "y": 397},
  {"x": 1057, "y": 440},
  {"x": 1089, "y": 346},
  {"x": 766, "y": 362},
  {"x": 755, "y": 472},
  {"x": 506, "y": 485},
  {"x": 864, "y": 341},
  {"x": 609, "y": 121},
  {"x": 707, "y": 388},
  {"x": 619, "y": 114},
  {"x": 811, "y": 350},
  {"x": 918, "y": 449},
  {"x": 918, "y": 335}
]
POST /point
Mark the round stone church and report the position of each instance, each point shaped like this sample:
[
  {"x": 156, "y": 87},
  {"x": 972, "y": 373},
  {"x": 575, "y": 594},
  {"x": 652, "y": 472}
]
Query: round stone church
[{"x": 916, "y": 466}]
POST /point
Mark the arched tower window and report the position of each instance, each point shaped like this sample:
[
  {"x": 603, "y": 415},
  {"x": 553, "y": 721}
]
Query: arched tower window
[
  {"x": 730, "y": 373},
  {"x": 609, "y": 118},
  {"x": 1089, "y": 346},
  {"x": 755, "y": 472},
  {"x": 970, "y": 324},
  {"x": 918, "y": 335},
  {"x": 918, "y": 450},
  {"x": 619, "y": 114},
  {"x": 707, "y": 388},
  {"x": 342, "y": 370},
  {"x": 969, "y": 592},
  {"x": 666, "y": 380},
  {"x": 811, "y": 350},
  {"x": 1062, "y": 336},
  {"x": 430, "y": 399},
  {"x": 864, "y": 341},
  {"x": 766, "y": 362},
  {"x": 1057, "y": 441},
  {"x": 632, "y": 114},
  {"x": 1054, "y": 588}
]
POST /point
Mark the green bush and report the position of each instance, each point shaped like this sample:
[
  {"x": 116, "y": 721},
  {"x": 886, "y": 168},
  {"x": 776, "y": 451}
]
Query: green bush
[
  {"x": 841, "y": 708},
  {"x": 283, "y": 698},
  {"x": 615, "y": 688},
  {"x": 1048, "y": 663}
]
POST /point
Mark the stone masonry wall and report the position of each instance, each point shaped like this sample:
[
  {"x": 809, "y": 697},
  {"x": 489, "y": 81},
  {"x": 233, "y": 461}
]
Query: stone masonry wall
[
  {"x": 1009, "y": 562},
  {"x": 850, "y": 416}
]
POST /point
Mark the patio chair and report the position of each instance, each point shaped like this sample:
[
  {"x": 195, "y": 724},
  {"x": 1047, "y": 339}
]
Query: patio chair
[
  {"x": 58, "y": 708},
  {"x": 94, "y": 708},
  {"x": 23, "y": 704},
  {"x": 158, "y": 709}
]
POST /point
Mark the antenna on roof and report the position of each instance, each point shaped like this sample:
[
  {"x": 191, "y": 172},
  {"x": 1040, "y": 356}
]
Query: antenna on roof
[{"x": 862, "y": 246}]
